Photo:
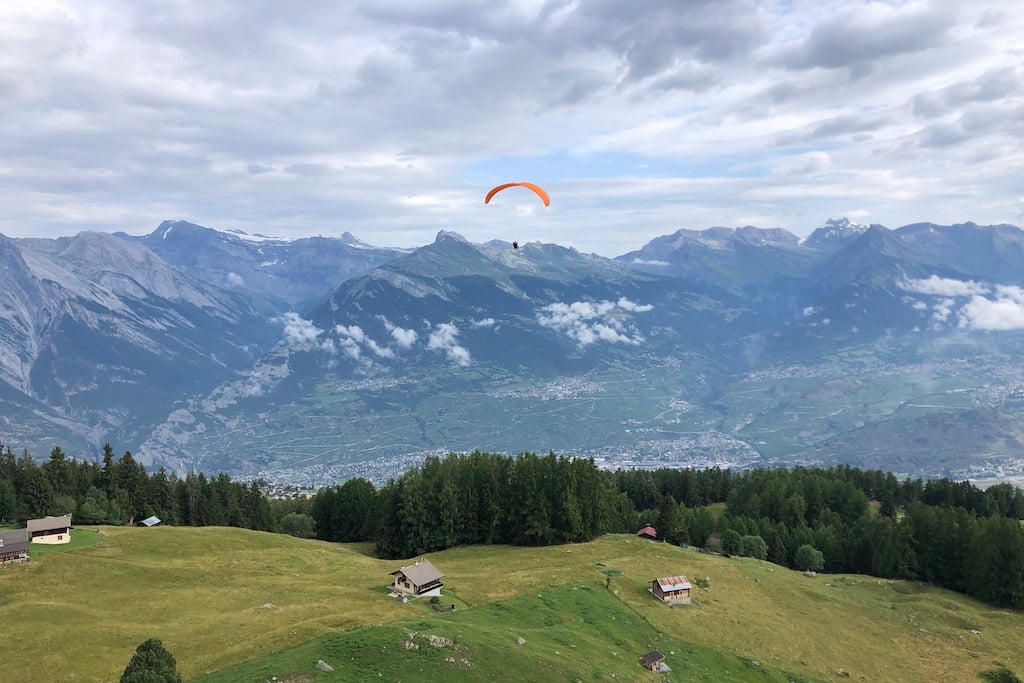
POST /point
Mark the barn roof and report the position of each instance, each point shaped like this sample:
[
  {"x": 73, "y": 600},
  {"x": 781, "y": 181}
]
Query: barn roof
[
  {"x": 150, "y": 521},
  {"x": 648, "y": 531},
  {"x": 674, "y": 583},
  {"x": 49, "y": 523},
  {"x": 421, "y": 573},
  {"x": 652, "y": 657},
  {"x": 13, "y": 541}
]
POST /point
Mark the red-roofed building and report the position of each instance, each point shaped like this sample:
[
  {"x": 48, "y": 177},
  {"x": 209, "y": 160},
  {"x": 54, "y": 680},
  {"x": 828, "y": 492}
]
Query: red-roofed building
[
  {"x": 648, "y": 532},
  {"x": 674, "y": 590}
]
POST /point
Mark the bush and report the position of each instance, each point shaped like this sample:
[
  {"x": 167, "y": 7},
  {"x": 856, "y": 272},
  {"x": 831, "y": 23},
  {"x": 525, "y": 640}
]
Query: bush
[
  {"x": 1000, "y": 675},
  {"x": 754, "y": 546},
  {"x": 809, "y": 558},
  {"x": 714, "y": 543},
  {"x": 732, "y": 542},
  {"x": 151, "y": 663},
  {"x": 298, "y": 524}
]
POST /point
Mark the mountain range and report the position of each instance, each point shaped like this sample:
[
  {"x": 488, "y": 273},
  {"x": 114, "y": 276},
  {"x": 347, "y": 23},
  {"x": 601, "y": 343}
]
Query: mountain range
[{"x": 316, "y": 359}]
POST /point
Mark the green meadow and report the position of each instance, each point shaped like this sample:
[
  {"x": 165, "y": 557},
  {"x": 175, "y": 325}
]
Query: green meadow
[{"x": 238, "y": 605}]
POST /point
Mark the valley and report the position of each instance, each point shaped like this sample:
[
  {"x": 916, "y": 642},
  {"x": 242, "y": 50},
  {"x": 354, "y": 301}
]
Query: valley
[{"x": 726, "y": 347}]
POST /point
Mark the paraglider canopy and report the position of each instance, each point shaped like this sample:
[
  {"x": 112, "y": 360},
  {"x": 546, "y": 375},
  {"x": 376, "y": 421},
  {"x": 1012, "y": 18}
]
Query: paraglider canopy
[{"x": 530, "y": 186}]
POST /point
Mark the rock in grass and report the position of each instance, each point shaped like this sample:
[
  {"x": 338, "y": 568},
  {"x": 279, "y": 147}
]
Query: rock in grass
[{"x": 324, "y": 666}]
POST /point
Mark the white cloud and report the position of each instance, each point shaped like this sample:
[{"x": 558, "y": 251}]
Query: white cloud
[
  {"x": 639, "y": 116},
  {"x": 1006, "y": 312},
  {"x": 353, "y": 332},
  {"x": 235, "y": 280},
  {"x": 942, "y": 310},
  {"x": 299, "y": 333},
  {"x": 941, "y": 286},
  {"x": 350, "y": 347},
  {"x": 403, "y": 338},
  {"x": 627, "y": 305},
  {"x": 920, "y": 306},
  {"x": 588, "y": 322},
  {"x": 444, "y": 337},
  {"x": 351, "y": 338},
  {"x": 485, "y": 322}
]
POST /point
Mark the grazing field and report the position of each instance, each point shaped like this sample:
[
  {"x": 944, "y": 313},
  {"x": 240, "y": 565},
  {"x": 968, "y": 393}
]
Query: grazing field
[
  {"x": 232, "y": 604},
  {"x": 568, "y": 633}
]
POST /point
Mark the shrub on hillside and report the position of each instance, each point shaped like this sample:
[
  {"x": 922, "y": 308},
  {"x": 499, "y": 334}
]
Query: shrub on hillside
[
  {"x": 1000, "y": 675},
  {"x": 809, "y": 559},
  {"x": 732, "y": 542},
  {"x": 151, "y": 663},
  {"x": 299, "y": 525},
  {"x": 754, "y": 546}
]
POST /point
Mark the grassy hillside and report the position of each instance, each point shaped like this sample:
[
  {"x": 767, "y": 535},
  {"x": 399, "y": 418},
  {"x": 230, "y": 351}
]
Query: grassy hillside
[
  {"x": 206, "y": 593},
  {"x": 568, "y": 633}
]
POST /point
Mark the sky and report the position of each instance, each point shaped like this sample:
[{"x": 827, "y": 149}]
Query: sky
[{"x": 391, "y": 119}]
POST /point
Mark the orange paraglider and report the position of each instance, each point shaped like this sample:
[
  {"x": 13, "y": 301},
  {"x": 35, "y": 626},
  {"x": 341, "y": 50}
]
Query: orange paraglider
[{"x": 530, "y": 186}]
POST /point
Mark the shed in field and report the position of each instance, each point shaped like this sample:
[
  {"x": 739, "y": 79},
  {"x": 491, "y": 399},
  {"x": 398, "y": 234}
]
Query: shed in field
[
  {"x": 50, "y": 529},
  {"x": 648, "y": 532},
  {"x": 652, "y": 660},
  {"x": 674, "y": 590}
]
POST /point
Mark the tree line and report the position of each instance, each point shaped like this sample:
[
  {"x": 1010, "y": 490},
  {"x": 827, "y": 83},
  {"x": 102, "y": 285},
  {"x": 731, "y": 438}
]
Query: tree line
[
  {"x": 837, "y": 519},
  {"x": 120, "y": 491}
]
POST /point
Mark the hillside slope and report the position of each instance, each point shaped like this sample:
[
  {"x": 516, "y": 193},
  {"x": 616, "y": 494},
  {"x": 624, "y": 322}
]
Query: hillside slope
[{"x": 206, "y": 593}]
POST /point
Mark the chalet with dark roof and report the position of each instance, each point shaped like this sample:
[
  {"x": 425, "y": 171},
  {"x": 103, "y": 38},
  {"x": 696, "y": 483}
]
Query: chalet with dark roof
[
  {"x": 50, "y": 529},
  {"x": 418, "y": 579},
  {"x": 648, "y": 532},
  {"x": 13, "y": 546},
  {"x": 652, "y": 660}
]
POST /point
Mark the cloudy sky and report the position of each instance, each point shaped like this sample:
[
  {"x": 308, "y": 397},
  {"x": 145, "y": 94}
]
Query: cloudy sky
[{"x": 392, "y": 118}]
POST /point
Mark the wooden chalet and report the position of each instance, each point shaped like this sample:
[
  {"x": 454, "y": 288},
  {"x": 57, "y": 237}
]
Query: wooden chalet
[
  {"x": 50, "y": 529},
  {"x": 13, "y": 546},
  {"x": 674, "y": 590},
  {"x": 652, "y": 660},
  {"x": 418, "y": 579},
  {"x": 648, "y": 532}
]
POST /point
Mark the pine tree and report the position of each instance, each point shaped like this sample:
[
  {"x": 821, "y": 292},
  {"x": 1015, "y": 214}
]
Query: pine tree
[
  {"x": 36, "y": 495},
  {"x": 151, "y": 663}
]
